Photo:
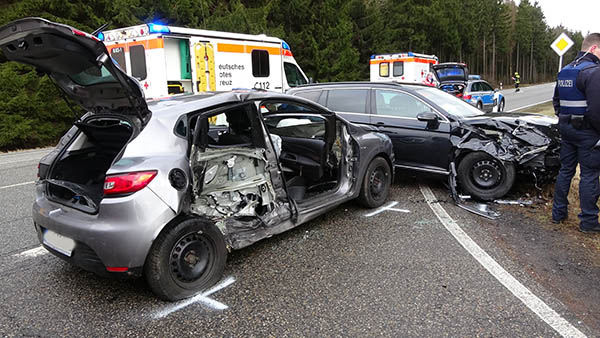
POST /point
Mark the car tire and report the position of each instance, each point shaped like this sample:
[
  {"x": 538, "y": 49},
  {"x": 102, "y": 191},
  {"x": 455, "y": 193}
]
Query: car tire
[
  {"x": 484, "y": 177},
  {"x": 376, "y": 183},
  {"x": 479, "y": 106},
  {"x": 501, "y": 106},
  {"x": 185, "y": 259}
]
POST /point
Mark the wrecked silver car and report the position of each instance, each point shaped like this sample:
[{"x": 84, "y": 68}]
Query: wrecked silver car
[
  {"x": 166, "y": 189},
  {"x": 435, "y": 132}
]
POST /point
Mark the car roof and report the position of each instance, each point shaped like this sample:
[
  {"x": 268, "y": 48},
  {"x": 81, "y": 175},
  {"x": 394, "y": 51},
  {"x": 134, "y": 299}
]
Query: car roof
[
  {"x": 387, "y": 84},
  {"x": 171, "y": 108}
]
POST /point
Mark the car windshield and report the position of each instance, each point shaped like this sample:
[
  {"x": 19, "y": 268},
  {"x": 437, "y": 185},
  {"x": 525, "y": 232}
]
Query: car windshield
[{"x": 450, "y": 103}]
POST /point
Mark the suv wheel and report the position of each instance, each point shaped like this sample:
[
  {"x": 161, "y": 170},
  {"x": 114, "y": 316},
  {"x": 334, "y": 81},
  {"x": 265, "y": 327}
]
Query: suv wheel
[
  {"x": 485, "y": 177},
  {"x": 479, "y": 106},
  {"x": 376, "y": 183},
  {"x": 501, "y": 106},
  {"x": 185, "y": 259}
]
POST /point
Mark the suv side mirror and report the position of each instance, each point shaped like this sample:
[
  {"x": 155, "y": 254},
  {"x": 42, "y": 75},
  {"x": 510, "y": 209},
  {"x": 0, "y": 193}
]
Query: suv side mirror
[
  {"x": 310, "y": 80},
  {"x": 431, "y": 118},
  {"x": 496, "y": 90}
]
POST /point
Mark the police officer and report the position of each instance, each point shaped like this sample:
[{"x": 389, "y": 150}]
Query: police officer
[
  {"x": 517, "y": 79},
  {"x": 577, "y": 103}
]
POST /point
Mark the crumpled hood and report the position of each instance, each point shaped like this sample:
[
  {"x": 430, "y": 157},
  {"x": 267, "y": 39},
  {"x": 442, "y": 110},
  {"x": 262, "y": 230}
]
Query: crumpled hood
[{"x": 518, "y": 137}]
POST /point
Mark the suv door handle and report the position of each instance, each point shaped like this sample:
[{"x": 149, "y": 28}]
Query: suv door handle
[{"x": 380, "y": 123}]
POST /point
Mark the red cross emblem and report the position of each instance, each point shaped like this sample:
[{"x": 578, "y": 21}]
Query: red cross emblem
[{"x": 146, "y": 85}]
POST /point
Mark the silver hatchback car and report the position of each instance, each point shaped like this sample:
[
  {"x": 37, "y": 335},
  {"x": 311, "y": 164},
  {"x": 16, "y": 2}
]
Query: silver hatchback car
[{"x": 166, "y": 189}]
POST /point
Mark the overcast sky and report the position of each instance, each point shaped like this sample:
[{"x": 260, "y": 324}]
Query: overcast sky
[{"x": 581, "y": 15}]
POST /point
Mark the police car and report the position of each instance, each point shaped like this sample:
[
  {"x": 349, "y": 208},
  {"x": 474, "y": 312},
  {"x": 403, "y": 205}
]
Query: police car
[{"x": 454, "y": 78}]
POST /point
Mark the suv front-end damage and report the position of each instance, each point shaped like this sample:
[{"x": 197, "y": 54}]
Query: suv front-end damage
[{"x": 530, "y": 142}]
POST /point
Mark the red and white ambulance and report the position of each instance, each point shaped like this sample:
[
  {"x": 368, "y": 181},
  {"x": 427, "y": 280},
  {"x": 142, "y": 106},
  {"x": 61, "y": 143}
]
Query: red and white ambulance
[
  {"x": 171, "y": 60},
  {"x": 402, "y": 67}
]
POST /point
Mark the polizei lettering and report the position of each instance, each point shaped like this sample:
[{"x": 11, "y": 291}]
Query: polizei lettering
[{"x": 565, "y": 83}]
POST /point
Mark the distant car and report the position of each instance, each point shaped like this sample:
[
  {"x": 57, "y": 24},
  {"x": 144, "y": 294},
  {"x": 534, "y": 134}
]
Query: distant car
[
  {"x": 167, "y": 188},
  {"x": 454, "y": 78},
  {"x": 435, "y": 132}
]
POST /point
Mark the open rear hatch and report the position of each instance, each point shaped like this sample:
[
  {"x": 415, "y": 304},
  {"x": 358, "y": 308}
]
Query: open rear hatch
[
  {"x": 82, "y": 68},
  {"x": 452, "y": 76}
]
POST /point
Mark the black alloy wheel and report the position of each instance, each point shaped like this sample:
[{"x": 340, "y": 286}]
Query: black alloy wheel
[{"x": 484, "y": 177}]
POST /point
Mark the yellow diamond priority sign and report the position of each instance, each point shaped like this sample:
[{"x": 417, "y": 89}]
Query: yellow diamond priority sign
[{"x": 562, "y": 44}]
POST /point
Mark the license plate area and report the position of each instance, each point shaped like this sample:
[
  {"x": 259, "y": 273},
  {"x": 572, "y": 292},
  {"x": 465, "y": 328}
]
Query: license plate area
[{"x": 58, "y": 242}]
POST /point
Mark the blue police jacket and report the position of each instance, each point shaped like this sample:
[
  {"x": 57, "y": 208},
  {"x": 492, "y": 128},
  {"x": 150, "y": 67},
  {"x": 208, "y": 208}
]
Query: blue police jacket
[{"x": 577, "y": 89}]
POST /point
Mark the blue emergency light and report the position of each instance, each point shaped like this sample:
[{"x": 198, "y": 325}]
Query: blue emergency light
[
  {"x": 100, "y": 36},
  {"x": 158, "y": 28},
  {"x": 284, "y": 45}
]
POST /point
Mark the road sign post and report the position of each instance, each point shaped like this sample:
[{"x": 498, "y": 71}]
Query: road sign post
[{"x": 561, "y": 45}]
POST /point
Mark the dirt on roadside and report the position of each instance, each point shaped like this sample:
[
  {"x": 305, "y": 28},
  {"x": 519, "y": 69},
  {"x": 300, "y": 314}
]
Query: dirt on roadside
[{"x": 562, "y": 259}]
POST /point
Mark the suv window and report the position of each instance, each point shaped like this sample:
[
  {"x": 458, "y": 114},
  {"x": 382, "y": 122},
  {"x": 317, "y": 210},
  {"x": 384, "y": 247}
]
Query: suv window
[
  {"x": 399, "y": 104},
  {"x": 313, "y": 95},
  {"x": 293, "y": 75},
  {"x": 137, "y": 54},
  {"x": 486, "y": 87},
  {"x": 398, "y": 68},
  {"x": 260, "y": 63},
  {"x": 348, "y": 100}
]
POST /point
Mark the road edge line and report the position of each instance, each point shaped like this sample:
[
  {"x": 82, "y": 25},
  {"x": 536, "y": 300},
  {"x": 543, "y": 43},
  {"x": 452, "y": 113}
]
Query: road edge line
[
  {"x": 534, "y": 303},
  {"x": 16, "y": 185},
  {"x": 529, "y": 105}
]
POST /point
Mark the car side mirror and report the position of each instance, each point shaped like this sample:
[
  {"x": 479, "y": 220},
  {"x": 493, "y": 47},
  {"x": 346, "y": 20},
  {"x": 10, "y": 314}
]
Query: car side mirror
[
  {"x": 431, "y": 118},
  {"x": 310, "y": 80},
  {"x": 496, "y": 90}
]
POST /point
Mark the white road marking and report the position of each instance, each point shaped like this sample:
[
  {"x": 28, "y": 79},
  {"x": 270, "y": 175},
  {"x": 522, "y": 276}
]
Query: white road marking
[
  {"x": 37, "y": 251},
  {"x": 203, "y": 298},
  {"x": 563, "y": 327},
  {"x": 386, "y": 208},
  {"x": 16, "y": 185},
  {"x": 529, "y": 105}
]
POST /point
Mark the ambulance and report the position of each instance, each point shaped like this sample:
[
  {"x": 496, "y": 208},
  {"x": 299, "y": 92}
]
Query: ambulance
[
  {"x": 402, "y": 67},
  {"x": 171, "y": 60}
]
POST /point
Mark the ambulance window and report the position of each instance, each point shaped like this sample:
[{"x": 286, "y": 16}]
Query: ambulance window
[
  {"x": 398, "y": 68},
  {"x": 293, "y": 75},
  {"x": 137, "y": 54},
  {"x": 118, "y": 54},
  {"x": 260, "y": 63},
  {"x": 384, "y": 69},
  {"x": 348, "y": 100}
]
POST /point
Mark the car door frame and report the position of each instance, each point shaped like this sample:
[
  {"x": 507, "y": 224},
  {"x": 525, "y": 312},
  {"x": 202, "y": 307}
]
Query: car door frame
[{"x": 419, "y": 126}]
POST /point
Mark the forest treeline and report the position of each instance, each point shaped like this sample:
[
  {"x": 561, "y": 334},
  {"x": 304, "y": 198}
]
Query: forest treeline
[{"x": 332, "y": 40}]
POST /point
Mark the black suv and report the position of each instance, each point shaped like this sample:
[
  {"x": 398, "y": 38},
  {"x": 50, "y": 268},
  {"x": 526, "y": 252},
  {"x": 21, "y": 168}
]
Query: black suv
[{"x": 436, "y": 132}]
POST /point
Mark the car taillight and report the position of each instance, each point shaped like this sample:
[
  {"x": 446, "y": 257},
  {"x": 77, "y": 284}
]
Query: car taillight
[
  {"x": 38, "y": 171},
  {"x": 127, "y": 183},
  {"x": 466, "y": 97}
]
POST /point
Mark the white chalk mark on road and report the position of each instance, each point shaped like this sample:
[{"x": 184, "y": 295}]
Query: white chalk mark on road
[
  {"x": 386, "y": 208},
  {"x": 202, "y": 298},
  {"x": 16, "y": 185},
  {"x": 547, "y": 314},
  {"x": 37, "y": 251}
]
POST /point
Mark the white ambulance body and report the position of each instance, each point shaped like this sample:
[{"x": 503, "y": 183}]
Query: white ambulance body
[
  {"x": 402, "y": 67},
  {"x": 171, "y": 60}
]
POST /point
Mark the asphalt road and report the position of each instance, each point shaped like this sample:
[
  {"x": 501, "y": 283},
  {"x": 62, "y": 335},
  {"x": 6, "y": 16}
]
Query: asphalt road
[
  {"x": 394, "y": 273},
  {"x": 528, "y": 96}
]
